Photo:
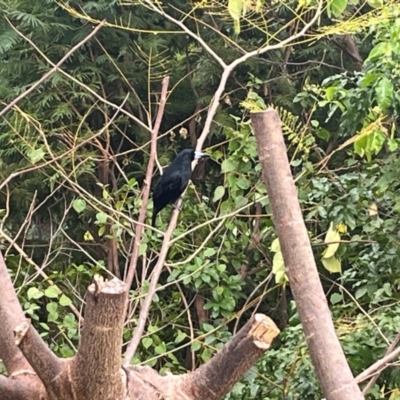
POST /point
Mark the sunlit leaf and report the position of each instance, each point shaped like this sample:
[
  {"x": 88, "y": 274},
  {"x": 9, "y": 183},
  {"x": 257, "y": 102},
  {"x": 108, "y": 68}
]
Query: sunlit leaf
[
  {"x": 331, "y": 236},
  {"x": 332, "y": 264}
]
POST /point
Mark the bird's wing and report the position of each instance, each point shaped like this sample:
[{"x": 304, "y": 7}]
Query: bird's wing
[{"x": 169, "y": 186}]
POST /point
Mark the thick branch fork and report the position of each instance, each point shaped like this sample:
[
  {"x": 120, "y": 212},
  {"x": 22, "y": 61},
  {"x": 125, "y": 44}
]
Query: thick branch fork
[{"x": 95, "y": 372}]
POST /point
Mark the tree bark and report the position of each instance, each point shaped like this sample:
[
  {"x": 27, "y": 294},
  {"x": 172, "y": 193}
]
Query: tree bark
[{"x": 326, "y": 353}]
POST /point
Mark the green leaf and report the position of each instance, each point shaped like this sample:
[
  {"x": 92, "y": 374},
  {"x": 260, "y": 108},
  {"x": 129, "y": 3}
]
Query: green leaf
[
  {"x": 375, "y": 3},
  {"x": 209, "y": 252},
  {"x": 337, "y": 7},
  {"x": 52, "y": 308},
  {"x": 228, "y": 165},
  {"x": 392, "y": 144},
  {"x": 51, "y": 292},
  {"x": 142, "y": 248},
  {"x": 384, "y": 93},
  {"x": 34, "y": 293},
  {"x": 206, "y": 354},
  {"x": 147, "y": 342},
  {"x": 160, "y": 349},
  {"x": 79, "y": 205},
  {"x": 180, "y": 337},
  {"x": 332, "y": 264},
  {"x": 235, "y": 8},
  {"x": 218, "y": 193},
  {"x": 101, "y": 218},
  {"x": 361, "y": 291},
  {"x": 207, "y": 327},
  {"x": 380, "y": 50},
  {"x": 221, "y": 267},
  {"x": 65, "y": 301},
  {"x": 336, "y": 298},
  {"x": 279, "y": 269},
  {"x": 88, "y": 237},
  {"x": 36, "y": 155},
  {"x": 275, "y": 245},
  {"x": 196, "y": 345},
  {"x": 243, "y": 183}
]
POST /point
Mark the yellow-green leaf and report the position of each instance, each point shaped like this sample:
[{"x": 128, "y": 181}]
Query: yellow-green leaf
[
  {"x": 279, "y": 269},
  {"x": 88, "y": 237},
  {"x": 275, "y": 245},
  {"x": 331, "y": 236},
  {"x": 235, "y": 8},
  {"x": 332, "y": 264}
]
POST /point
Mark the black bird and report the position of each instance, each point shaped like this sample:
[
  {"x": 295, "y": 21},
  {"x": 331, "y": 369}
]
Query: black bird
[{"x": 173, "y": 181}]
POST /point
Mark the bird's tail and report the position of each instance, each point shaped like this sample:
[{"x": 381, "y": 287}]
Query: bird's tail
[{"x": 153, "y": 218}]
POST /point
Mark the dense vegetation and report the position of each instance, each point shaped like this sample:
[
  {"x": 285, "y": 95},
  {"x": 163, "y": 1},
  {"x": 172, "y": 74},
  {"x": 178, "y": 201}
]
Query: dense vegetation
[{"x": 79, "y": 165}]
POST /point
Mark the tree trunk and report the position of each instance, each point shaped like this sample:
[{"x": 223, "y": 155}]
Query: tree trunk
[{"x": 326, "y": 353}]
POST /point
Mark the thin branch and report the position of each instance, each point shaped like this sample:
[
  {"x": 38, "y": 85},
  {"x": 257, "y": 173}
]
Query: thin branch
[
  {"x": 55, "y": 67},
  {"x": 373, "y": 380},
  {"x": 78, "y": 82},
  {"x": 377, "y": 366},
  {"x": 10, "y": 314},
  {"x": 229, "y": 68},
  {"x": 44, "y": 362},
  {"x": 147, "y": 183},
  {"x": 188, "y": 31},
  {"x": 38, "y": 269},
  {"x": 139, "y": 229},
  {"x": 144, "y": 311}
]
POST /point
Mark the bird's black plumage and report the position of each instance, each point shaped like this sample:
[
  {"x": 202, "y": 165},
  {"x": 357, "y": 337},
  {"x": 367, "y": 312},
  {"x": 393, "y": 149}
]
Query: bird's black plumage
[{"x": 173, "y": 181}]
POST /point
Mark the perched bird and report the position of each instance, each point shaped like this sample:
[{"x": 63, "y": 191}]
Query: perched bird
[{"x": 173, "y": 181}]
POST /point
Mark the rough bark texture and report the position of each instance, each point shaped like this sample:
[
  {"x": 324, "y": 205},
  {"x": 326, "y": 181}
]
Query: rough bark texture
[
  {"x": 237, "y": 355},
  {"x": 96, "y": 368},
  {"x": 333, "y": 372},
  {"x": 35, "y": 373}
]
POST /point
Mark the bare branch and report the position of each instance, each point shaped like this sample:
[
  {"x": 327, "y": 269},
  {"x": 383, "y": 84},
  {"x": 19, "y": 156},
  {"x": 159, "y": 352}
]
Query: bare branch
[
  {"x": 376, "y": 376},
  {"x": 78, "y": 82},
  {"x": 10, "y": 315},
  {"x": 325, "y": 350},
  {"x": 188, "y": 32},
  {"x": 46, "y": 365},
  {"x": 55, "y": 67},
  {"x": 144, "y": 311},
  {"x": 22, "y": 387},
  {"x": 147, "y": 184},
  {"x": 38, "y": 269},
  {"x": 215, "y": 378},
  {"x": 229, "y": 68},
  {"x": 378, "y": 367}
]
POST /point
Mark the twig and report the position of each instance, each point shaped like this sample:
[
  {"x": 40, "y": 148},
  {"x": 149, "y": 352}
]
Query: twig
[
  {"x": 188, "y": 31},
  {"x": 144, "y": 311},
  {"x": 379, "y": 365},
  {"x": 343, "y": 241},
  {"x": 229, "y": 68},
  {"x": 389, "y": 350},
  {"x": 55, "y": 67},
  {"x": 147, "y": 183},
  {"x": 139, "y": 229},
  {"x": 38, "y": 269},
  {"x": 79, "y": 83}
]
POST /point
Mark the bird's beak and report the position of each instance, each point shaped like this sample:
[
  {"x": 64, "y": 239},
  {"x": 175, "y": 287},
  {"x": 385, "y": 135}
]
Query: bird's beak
[{"x": 199, "y": 154}]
